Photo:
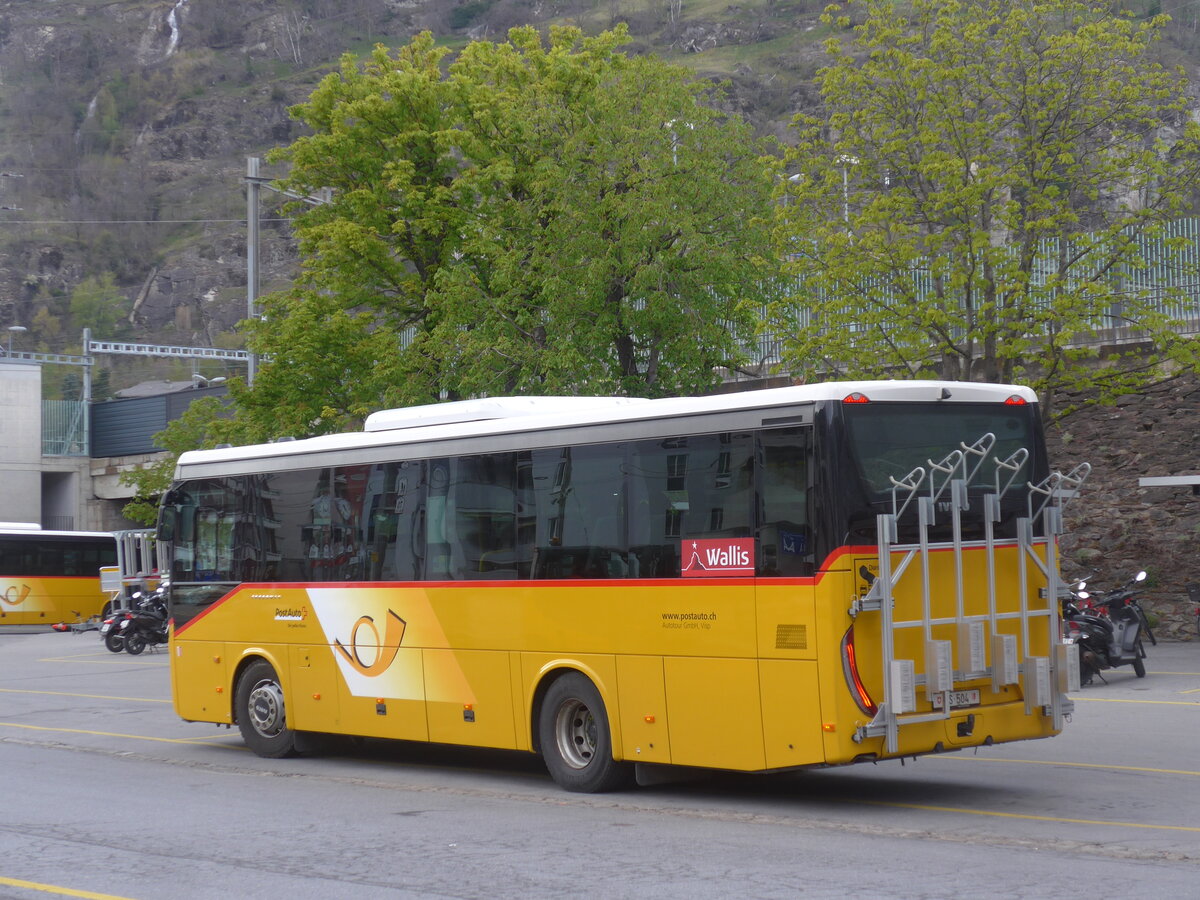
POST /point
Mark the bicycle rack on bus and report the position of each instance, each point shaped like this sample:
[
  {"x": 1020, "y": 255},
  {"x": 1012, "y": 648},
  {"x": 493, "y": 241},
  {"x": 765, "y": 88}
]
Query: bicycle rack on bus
[
  {"x": 1044, "y": 680},
  {"x": 139, "y": 564}
]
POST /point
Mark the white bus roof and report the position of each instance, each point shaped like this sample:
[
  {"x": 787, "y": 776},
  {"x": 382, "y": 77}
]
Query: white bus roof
[
  {"x": 26, "y": 530},
  {"x": 488, "y": 408},
  {"x": 503, "y": 420}
]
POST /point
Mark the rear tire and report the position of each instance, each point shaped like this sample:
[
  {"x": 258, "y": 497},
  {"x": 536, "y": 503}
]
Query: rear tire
[
  {"x": 114, "y": 642},
  {"x": 261, "y": 715},
  {"x": 134, "y": 644},
  {"x": 576, "y": 740}
]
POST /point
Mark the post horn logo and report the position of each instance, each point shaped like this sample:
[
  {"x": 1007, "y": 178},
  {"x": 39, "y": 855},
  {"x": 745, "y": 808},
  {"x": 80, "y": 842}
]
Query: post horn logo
[
  {"x": 386, "y": 650},
  {"x": 15, "y": 596}
]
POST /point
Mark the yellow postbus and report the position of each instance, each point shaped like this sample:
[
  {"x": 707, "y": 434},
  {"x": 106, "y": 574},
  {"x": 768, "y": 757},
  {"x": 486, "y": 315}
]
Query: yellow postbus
[
  {"x": 47, "y": 577},
  {"x": 795, "y": 577}
]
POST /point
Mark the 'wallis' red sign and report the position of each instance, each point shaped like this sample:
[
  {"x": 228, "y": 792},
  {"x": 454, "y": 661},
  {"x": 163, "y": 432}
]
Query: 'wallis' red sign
[{"x": 715, "y": 558}]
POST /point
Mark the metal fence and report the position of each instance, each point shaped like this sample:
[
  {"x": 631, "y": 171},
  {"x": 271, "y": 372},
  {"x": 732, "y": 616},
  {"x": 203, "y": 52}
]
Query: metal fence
[
  {"x": 65, "y": 428},
  {"x": 1163, "y": 272}
]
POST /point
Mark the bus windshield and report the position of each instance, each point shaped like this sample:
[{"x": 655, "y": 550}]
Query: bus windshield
[{"x": 889, "y": 441}]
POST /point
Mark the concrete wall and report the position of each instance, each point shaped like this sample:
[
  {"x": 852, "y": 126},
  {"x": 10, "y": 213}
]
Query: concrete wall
[{"x": 20, "y": 442}]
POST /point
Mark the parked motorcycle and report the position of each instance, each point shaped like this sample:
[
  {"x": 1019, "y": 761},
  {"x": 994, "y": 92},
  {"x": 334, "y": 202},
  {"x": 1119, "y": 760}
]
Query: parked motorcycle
[
  {"x": 1108, "y": 628},
  {"x": 111, "y": 631},
  {"x": 146, "y": 624}
]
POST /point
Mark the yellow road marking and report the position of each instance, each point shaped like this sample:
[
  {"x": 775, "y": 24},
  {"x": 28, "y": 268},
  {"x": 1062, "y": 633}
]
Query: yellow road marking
[
  {"x": 1147, "y": 702},
  {"x": 55, "y": 889},
  {"x": 1077, "y": 765},
  {"x": 133, "y": 737},
  {"x": 90, "y": 696},
  {"x": 108, "y": 659},
  {"x": 1029, "y": 817}
]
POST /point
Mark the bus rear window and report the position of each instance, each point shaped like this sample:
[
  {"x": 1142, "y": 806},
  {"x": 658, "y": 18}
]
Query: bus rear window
[{"x": 890, "y": 441}]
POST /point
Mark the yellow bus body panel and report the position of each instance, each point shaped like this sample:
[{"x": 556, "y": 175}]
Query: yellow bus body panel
[
  {"x": 642, "y": 707},
  {"x": 1000, "y": 715},
  {"x": 200, "y": 681},
  {"x": 725, "y": 673},
  {"x": 45, "y": 601}
]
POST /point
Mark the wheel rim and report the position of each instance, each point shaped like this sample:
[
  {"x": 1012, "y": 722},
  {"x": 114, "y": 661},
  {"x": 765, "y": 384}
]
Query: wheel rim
[
  {"x": 575, "y": 732},
  {"x": 265, "y": 708}
]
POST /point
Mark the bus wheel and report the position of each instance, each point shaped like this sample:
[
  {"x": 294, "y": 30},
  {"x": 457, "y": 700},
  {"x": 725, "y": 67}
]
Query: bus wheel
[
  {"x": 260, "y": 713},
  {"x": 575, "y": 738}
]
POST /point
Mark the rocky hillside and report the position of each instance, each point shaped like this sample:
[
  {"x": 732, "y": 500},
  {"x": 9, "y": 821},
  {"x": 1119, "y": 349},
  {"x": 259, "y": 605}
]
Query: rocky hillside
[
  {"x": 129, "y": 122},
  {"x": 1116, "y": 527}
]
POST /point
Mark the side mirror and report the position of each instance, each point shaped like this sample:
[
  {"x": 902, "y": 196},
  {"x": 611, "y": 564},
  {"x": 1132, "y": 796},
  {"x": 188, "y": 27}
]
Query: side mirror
[
  {"x": 1140, "y": 576},
  {"x": 166, "y": 524}
]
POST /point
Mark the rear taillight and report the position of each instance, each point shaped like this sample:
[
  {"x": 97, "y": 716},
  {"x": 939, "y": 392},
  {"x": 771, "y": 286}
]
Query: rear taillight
[{"x": 858, "y": 690}]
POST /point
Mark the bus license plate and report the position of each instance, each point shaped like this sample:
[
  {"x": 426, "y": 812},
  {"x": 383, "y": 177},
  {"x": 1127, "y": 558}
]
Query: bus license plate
[{"x": 958, "y": 699}]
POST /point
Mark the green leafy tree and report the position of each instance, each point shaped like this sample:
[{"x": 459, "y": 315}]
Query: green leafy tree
[
  {"x": 984, "y": 175},
  {"x": 532, "y": 217},
  {"x": 537, "y": 217},
  {"x": 624, "y": 238},
  {"x": 98, "y": 304}
]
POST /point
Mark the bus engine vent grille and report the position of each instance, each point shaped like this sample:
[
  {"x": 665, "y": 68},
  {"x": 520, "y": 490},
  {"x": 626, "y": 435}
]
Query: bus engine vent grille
[{"x": 791, "y": 637}]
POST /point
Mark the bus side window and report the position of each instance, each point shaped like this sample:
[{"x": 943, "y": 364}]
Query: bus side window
[
  {"x": 396, "y": 533},
  {"x": 579, "y": 497},
  {"x": 785, "y": 537},
  {"x": 349, "y": 523},
  {"x": 437, "y": 548},
  {"x": 480, "y": 521},
  {"x": 292, "y": 502}
]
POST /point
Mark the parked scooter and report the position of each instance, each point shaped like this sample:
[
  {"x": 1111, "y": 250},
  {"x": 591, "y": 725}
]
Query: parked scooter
[
  {"x": 1107, "y": 628},
  {"x": 113, "y": 625},
  {"x": 146, "y": 624},
  {"x": 111, "y": 632}
]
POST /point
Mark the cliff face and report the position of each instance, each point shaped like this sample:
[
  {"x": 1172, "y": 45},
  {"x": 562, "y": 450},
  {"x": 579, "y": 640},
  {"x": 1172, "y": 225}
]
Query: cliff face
[
  {"x": 129, "y": 122},
  {"x": 1116, "y": 527}
]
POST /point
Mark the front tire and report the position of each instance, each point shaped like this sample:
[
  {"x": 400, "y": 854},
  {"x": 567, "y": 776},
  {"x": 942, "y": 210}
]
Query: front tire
[
  {"x": 1146, "y": 627},
  {"x": 1139, "y": 667},
  {"x": 261, "y": 715},
  {"x": 576, "y": 740}
]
